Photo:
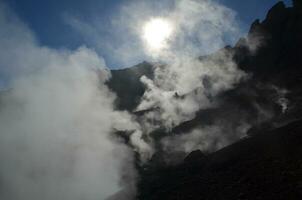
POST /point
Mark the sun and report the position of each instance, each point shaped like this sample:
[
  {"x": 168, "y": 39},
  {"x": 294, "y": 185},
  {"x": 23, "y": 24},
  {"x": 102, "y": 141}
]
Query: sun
[{"x": 157, "y": 32}]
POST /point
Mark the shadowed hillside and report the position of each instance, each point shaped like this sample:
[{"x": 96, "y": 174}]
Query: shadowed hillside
[{"x": 267, "y": 165}]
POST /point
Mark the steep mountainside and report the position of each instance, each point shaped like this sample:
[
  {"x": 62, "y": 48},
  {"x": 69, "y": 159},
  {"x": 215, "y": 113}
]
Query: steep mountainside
[
  {"x": 278, "y": 42},
  {"x": 271, "y": 54},
  {"x": 268, "y": 164}
]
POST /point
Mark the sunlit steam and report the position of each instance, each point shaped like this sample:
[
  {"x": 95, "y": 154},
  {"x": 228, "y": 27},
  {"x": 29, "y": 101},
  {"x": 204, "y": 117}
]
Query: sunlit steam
[{"x": 156, "y": 33}]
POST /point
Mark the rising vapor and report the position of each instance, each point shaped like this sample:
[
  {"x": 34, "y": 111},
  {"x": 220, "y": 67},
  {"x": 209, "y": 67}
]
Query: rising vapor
[
  {"x": 57, "y": 122},
  {"x": 186, "y": 82}
]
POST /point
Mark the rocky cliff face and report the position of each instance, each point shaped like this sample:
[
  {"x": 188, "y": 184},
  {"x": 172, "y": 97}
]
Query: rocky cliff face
[
  {"x": 265, "y": 166},
  {"x": 270, "y": 53},
  {"x": 279, "y": 40}
]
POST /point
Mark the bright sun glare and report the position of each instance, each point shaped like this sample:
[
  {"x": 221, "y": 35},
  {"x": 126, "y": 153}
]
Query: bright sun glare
[{"x": 156, "y": 33}]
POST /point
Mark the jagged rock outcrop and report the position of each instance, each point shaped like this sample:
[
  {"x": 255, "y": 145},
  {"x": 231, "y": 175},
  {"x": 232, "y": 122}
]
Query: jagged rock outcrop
[
  {"x": 277, "y": 42},
  {"x": 265, "y": 166},
  {"x": 268, "y": 164}
]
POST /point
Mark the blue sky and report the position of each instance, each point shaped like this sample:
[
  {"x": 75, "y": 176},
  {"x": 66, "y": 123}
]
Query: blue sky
[{"x": 47, "y": 19}]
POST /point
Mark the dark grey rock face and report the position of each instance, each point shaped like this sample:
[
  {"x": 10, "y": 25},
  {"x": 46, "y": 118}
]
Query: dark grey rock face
[
  {"x": 265, "y": 166},
  {"x": 127, "y": 85}
]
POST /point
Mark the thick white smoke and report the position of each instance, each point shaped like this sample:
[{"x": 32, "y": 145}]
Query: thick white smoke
[
  {"x": 187, "y": 83},
  {"x": 181, "y": 89},
  {"x": 57, "y": 122}
]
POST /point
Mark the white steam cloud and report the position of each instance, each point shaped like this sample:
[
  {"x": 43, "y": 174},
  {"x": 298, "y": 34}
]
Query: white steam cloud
[
  {"x": 187, "y": 83},
  {"x": 57, "y": 122}
]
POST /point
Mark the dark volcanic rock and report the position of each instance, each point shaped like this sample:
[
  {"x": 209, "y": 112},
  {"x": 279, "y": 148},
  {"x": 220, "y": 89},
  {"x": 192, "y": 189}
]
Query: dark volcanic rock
[
  {"x": 279, "y": 51},
  {"x": 195, "y": 156},
  {"x": 267, "y": 166},
  {"x": 127, "y": 85}
]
